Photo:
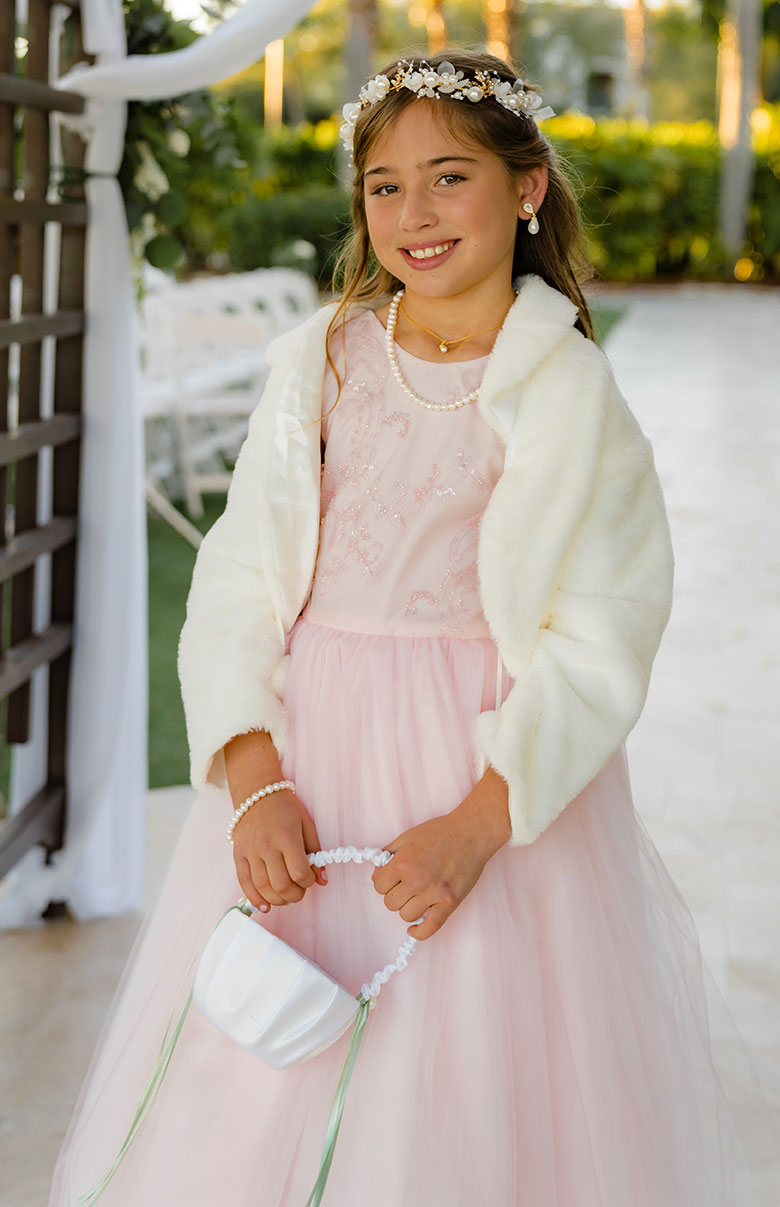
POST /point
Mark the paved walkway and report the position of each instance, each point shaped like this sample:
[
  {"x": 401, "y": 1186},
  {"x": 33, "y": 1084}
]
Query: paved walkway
[{"x": 700, "y": 367}]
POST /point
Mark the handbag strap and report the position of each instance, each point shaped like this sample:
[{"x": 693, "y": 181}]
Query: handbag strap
[
  {"x": 370, "y": 990},
  {"x": 169, "y": 1042},
  {"x": 366, "y": 1000}
]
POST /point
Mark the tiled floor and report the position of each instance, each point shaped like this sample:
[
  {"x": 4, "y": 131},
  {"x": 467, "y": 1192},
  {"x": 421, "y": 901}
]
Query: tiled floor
[{"x": 700, "y": 367}]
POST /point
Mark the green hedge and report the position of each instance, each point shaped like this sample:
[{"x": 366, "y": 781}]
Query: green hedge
[
  {"x": 649, "y": 195},
  {"x": 650, "y": 199},
  {"x": 298, "y": 227}
]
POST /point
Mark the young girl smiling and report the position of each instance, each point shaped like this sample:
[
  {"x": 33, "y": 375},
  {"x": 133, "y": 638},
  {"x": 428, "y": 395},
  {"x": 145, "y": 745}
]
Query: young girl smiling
[{"x": 426, "y": 621}]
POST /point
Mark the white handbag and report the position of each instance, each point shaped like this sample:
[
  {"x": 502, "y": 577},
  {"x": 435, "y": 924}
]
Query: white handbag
[
  {"x": 267, "y": 997},
  {"x": 276, "y": 1004}
]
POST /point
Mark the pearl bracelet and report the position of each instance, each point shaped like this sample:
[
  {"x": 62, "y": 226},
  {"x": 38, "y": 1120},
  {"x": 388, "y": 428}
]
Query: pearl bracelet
[{"x": 246, "y": 805}]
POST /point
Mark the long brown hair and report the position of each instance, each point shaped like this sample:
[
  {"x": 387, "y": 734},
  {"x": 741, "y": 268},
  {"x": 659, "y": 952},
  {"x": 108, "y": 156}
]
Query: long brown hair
[{"x": 557, "y": 253}]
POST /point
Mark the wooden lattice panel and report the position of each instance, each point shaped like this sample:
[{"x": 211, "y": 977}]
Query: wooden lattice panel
[{"x": 28, "y": 327}]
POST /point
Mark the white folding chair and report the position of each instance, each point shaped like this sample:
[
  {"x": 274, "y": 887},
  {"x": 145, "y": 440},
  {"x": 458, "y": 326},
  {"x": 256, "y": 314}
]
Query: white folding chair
[{"x": 203, "y": 371}]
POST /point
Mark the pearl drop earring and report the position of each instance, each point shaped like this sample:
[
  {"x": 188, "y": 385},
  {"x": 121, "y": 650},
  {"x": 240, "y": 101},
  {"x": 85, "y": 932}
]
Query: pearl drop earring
[{"x": 533, "y": 225}]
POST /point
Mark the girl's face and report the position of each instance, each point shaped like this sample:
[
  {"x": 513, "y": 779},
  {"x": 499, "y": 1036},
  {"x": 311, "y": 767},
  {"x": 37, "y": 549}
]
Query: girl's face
[{"x": 424, "y": 188}]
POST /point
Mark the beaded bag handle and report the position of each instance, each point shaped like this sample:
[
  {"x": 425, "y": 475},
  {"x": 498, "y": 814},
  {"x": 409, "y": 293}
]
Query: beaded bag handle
[
  {"x": 379, "y": 858},
  {"x": 366, "y": 999}
]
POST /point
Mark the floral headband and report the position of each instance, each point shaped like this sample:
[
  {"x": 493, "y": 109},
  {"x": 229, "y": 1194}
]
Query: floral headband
[{"x": 428, "y": 81}]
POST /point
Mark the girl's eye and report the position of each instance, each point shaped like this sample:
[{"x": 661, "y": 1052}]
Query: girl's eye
[{"x": 448, "y": 176}]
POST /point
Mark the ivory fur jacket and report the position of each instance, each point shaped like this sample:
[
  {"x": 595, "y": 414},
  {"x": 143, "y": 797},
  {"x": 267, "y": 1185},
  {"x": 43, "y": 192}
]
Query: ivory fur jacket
[{"x": 575, "y": 561}]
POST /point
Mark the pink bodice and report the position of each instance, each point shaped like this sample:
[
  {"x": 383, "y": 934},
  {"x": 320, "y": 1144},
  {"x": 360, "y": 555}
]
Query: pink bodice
[{"x": 403, "y": 490}]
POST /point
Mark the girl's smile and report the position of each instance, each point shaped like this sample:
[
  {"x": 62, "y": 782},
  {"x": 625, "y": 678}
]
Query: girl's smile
[
  {"x": 422, "y": 256},
  {"x": 427, "y": 193},
  {"x": 442, "y": 215}
]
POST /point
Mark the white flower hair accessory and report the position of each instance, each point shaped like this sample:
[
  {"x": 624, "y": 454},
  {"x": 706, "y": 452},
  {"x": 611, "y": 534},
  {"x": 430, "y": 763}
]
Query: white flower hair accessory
[{"x": 444, "y": 80}]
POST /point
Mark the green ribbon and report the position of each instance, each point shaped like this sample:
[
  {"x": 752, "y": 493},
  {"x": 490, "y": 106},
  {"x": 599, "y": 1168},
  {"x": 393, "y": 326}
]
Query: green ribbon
[
  {"x": 337, "y": 1109},
  {"x": 152, "y": 1086},
  {"x": 90, "y": 1197}
]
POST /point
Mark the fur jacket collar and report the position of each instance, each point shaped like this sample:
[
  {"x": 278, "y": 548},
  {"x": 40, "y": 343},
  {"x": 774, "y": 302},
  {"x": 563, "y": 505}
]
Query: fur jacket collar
[{"x": 575, "y": 560}]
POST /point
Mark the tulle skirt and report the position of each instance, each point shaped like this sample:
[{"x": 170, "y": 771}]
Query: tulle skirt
[{"x": 558, "y": 1043}]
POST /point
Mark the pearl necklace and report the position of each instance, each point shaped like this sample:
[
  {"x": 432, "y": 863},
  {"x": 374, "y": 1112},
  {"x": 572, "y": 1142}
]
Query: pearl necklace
[{"x": 392, "y": 319}]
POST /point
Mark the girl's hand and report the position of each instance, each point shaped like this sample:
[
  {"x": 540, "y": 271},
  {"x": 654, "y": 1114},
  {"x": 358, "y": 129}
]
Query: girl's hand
[
  {"x": 270, "y": 845},
  {"x": 435, "y": 866}
]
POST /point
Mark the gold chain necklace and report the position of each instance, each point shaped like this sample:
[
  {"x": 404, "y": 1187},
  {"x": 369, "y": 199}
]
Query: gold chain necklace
[
  {"x": 446, "y": 344},
  {"x": 392, "y": 319}
]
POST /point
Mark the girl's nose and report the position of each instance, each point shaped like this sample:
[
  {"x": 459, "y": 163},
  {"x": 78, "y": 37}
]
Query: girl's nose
[{"x": 415, "y": 212}]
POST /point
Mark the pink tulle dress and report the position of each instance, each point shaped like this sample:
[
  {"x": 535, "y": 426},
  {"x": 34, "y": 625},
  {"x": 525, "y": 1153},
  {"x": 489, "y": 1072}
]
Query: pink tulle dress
[{"x": 550, "y": 1046}]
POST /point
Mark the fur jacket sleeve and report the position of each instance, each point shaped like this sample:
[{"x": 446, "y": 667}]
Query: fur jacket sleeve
[
  {"x": 582, "y": 678},
  {"x": 575, "y": 562},
  {"x": 231, "y": 648}
]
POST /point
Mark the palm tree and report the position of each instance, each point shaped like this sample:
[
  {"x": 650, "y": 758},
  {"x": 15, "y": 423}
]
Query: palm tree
[
  {"x": 435, "y": 27},
  {"x": 635, "y": 25},
  {"x": 498, "y": 26},
  {"x": 739, "y": 91},
  {"x": 361, "y": 43}
]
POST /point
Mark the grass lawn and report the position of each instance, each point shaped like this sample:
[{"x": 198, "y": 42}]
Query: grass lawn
[
  {"x": 605, "y": 318},
  {"x": 171, "y": 561}
]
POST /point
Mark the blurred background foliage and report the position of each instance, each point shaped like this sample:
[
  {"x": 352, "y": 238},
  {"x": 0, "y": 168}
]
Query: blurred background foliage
[
  {"x": 681, "y": 43},
  {"x": 209, "y": 188},
  {"x": 649, "y": 195}
]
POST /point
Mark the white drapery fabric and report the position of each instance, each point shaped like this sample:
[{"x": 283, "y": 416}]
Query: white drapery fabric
[{"x": 99, "y": 871}]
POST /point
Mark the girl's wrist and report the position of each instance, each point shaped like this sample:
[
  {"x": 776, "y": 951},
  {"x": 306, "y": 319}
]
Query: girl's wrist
[
  {"x": 485, "y": 813},
  {"x": 242, "y": 809},
  {"x": 251, "y": 762}
]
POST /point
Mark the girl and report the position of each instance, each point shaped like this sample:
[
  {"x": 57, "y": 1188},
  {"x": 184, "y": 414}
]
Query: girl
[{"x": 427, "y": 619}]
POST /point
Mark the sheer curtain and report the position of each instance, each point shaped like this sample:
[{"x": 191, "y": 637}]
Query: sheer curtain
[{"x": 99, "y": 871}]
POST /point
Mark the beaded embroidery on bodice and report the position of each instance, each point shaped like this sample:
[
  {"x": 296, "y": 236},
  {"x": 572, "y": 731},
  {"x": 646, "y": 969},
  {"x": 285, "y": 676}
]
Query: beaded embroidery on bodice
[{"x": 403, "y": 491}]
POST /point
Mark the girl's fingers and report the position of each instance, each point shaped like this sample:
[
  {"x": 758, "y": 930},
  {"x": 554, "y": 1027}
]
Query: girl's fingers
[
  {"x": 437, "y": 916},
  {"x": 283, "y": 873},
  {"x": 311, "y": 840},
  {"x": 415, "y": 907},
  {"x": 279, "y": 879},
  {"x": 248, "y": 886},
  {"x": 298, "y": 867},
  {"x": 259, "y": 875},
  {"x": 386, "y": 878}
]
